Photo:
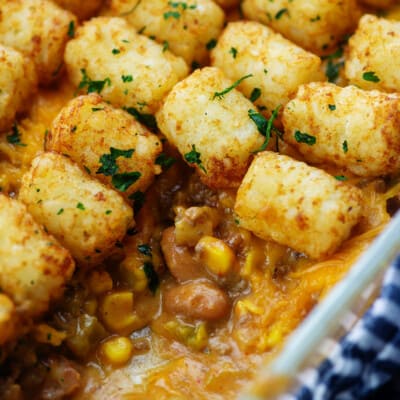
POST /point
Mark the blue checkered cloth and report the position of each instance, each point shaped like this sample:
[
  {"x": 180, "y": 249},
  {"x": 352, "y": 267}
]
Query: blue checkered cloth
[{"x": 368, "y": 358}]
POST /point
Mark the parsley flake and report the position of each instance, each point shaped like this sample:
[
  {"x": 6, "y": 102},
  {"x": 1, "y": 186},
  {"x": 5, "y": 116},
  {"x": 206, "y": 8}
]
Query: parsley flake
[
  {"x": 145, "y": 119},
  {"x": 221, "y": 94},
  {"x": 332, "y": 107},
  {"x": 164, "y": 161},
  {"x": 165, "y": 46},
  {"x": 123, "y": 181},
  {"x": 345, "y": 147},
  {"x": 171, "y": 14},
  {"x": 138, "y": 199},
  {"x": 108, "y": 163},
  {"x": 60, "y": 211},
  {"x": 341, "y": 178},
  {"x": 265, "y": 127},
  {"x": 153, "y": 280},
  {"x": 71, "y": 29},
  {"x": 15, "y": 137},
  {"x": 80, "y": 206},
  {"x": 126, "y": 78},
  {"x": 92, "y": 86},
  {"x": 305, "y": 138},
  {"x": 193, "y": 157},
  {"x": 371, "y": 77},
  {"x": 211, "y": 44},
  {"x": 145, "y": 249},
  {"x": 233, "y": 51},
  {"x": 255, "y": 94},
  {"x": 279, "y": 14}
]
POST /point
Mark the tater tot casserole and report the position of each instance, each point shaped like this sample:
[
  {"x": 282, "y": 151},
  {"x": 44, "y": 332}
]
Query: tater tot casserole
[{"x": 181, "y": 182}]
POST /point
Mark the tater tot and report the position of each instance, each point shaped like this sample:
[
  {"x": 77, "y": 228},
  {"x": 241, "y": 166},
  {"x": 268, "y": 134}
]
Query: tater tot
[
  {"x": 39, "y": 29},
  {"x": 373, "y": 60},
  {"x": 349, "y": 127},
  {"x": 89, "y": 130},
  {"x": 83, "y": 9},
  {"x": 278, "y": 66},
  {"x": 84, "y": 215},
  {"x": 33, "y": 266},
  {"x": 128, "y": 69},
  {"x": 17, "y": 82},
  {"x": 316, "y": 25},
  {"x": 186, "y": 28},
  {"x": 211, "y": 130},
  {"x": 296, "y": 205}
]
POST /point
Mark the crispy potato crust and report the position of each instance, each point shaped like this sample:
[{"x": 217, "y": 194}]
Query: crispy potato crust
[
  {"x": 185, "y": 28},
  {"x": 33, "y": 265},
  {"x": 84, "y": 215},
  {"x": 373, "y": 59},
  {"x": 353, "y": 128},
  {"x": 218, "y": 127},
  {"x": 87, "y": 128},
  {"x": 278, "y": 66},
  {"x": 39, "y": 29},
  {"x": 316, "y": 25},
  {"x": 297, "y": 205},
  {"x": 135, "y": 70}
]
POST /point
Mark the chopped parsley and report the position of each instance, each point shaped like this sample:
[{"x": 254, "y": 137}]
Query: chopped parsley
[
  {"x": 332, "y": 107},
  {"x": 153, "y": 280},
  {"x": 145, "y": 249},
  {"x": 145, "y": 119},
  {"x": 108, "y": 163},
  {"x": 15, "y": 137},
  {"x": 371, "y": 77},
  {"x": 305, "y": 138},
  {"x": 126, "y": 78},
  {"x": 108, "y": 212},
  {"x": 182, "y": 4},
  {"x": 123, "y": 181},
  {"x": 165, "y": 46},
  {"x": 279, "y": 14},
  {"x": 94, "y": 109},
  {"x": 71, "y": 29},
  {"x": 255, "y": 94},
  {"x": 315, "y": 19},
  {"x": 193, "y": 157},
  {"x": 164, "y": 161},
  {"x": 221, "y": 94},
  {"x": 211, "y": 44},
  {"x": 332, "y": 67},
  {"x": 92, "y": 86},
  {"x": 345, "y": 147},
  {"x": 138, "y": 199},
  {"x": 341, "y": 178},
  {"x": 233, "y": 51},
  {"x": 171, "y": 14},
  {"x": 60, "y": 211},
  {"x": 265, "y": 127},
  {"x": 80, "y": 206}
]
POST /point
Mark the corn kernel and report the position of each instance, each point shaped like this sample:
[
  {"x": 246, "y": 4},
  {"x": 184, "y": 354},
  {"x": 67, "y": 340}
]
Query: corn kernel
[
  {"x": 117, "y": 350},
  {"x": 116, "y": 311},
  {"x": 217, "y": 256},
  {"x": 246, "y": 306},
  {"x": 44, "y": 333},
  {"x": 100, "y": 282}
]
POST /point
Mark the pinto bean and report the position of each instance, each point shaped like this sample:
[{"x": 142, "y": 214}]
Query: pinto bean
[
  {"x": 180, "y": 260},
  {"x": 198, "y": 300}
]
